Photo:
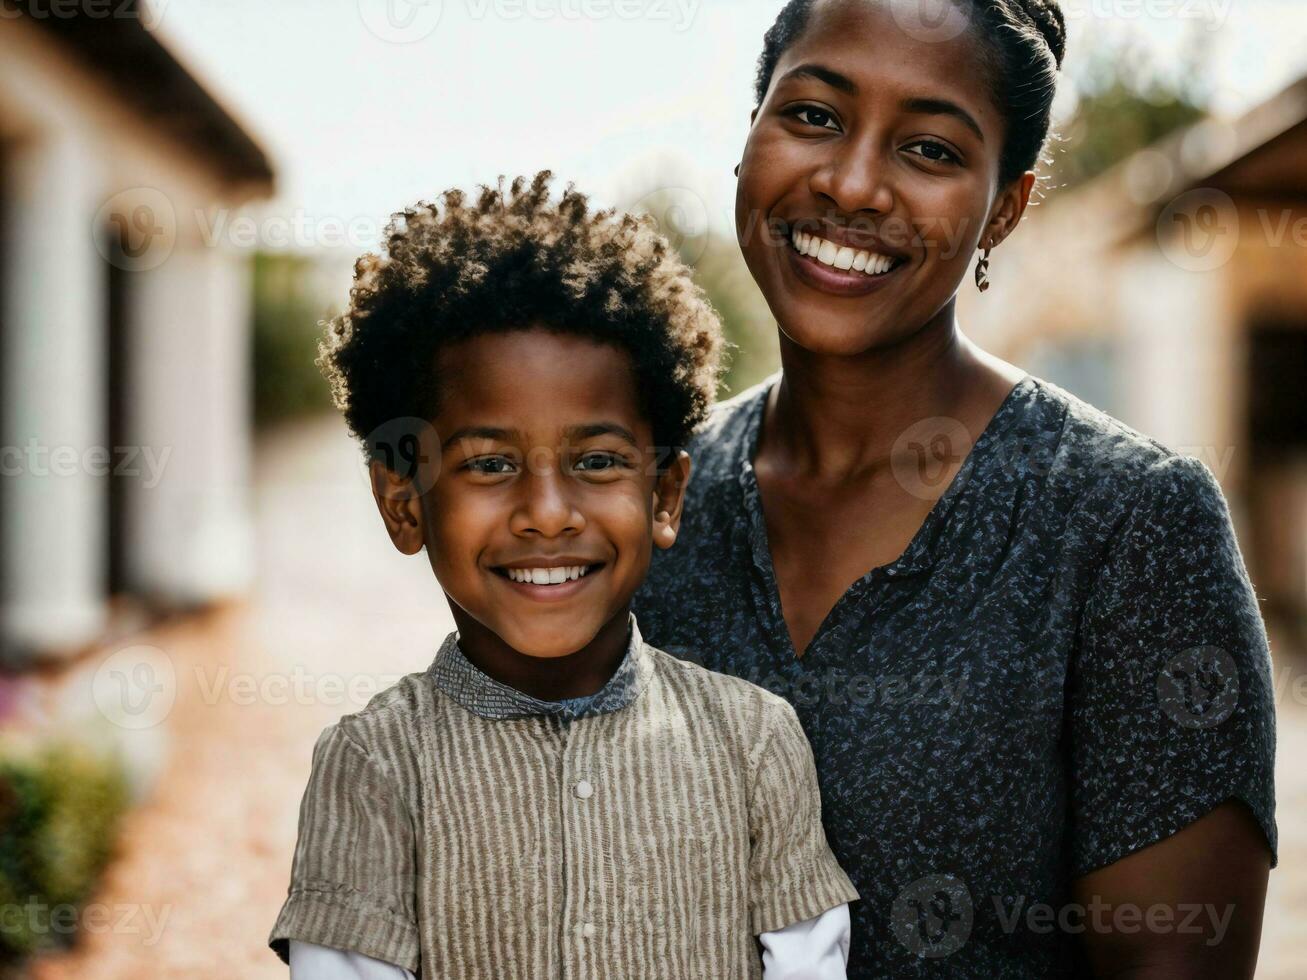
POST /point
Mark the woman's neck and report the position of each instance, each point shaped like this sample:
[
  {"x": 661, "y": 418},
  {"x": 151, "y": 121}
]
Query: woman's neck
[{"x": 836, "y": 418}]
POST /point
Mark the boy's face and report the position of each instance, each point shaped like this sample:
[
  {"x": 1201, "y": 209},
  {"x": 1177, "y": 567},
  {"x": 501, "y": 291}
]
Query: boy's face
[{"x": 541, "y": 460}]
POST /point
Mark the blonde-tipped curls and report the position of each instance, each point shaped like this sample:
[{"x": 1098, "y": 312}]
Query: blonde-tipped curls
[{"x": 502, "y": 260}]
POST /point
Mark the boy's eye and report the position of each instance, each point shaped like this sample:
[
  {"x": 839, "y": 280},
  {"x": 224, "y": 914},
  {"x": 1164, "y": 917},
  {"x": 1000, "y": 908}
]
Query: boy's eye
[
  {"x": 934, "y": 152},
  {"x": 490, "y": 465},
  {"x": 812, "y": 115},
  {"x": 598, "y": 461}
]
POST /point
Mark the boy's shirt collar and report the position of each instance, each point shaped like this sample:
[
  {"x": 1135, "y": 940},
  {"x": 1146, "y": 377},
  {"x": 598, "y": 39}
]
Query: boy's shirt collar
[{"x": 482, "y": 695}]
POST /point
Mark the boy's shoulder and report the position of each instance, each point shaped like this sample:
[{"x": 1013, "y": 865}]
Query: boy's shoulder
[
  {"x": 739, "y": 705},
  {"x": 383, "y": 728}
]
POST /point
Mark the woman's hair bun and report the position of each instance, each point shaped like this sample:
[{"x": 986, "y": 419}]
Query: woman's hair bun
[{"x": 1047, "y": 17}]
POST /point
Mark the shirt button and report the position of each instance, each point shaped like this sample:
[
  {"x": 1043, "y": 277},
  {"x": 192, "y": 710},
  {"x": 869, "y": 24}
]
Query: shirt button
[
  {"x": 584, "y": 791},
  {"x": 588, "y": 930}
]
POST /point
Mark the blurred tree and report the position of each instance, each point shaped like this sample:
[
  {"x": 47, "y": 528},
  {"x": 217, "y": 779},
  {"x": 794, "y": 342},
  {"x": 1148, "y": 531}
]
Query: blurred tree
[
  {"x": 285, "y": 343},
  {"x": 683, "y": 218},
  {"x": 1126, "y": 100}
]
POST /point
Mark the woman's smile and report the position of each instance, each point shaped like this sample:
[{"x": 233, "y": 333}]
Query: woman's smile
[{"x": 839, "y": 269}]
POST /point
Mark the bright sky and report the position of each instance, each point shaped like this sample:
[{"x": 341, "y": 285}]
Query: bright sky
[{"x": 369, "y": 105}]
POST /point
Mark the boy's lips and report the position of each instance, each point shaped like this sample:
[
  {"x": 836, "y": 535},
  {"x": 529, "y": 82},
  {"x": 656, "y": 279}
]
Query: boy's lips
[{"x": 550, "y": 593}]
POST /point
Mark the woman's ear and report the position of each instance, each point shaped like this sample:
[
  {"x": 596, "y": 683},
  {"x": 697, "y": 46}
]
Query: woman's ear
[
  {"x": 1008, "y": 208},
  {"x": 669, "y": 498},
  {"x": 400, "y": 505}
]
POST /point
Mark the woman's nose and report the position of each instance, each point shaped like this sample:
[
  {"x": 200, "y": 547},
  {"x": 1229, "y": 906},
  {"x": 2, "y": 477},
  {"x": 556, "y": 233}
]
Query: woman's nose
[{"x": 854, "y": 179}]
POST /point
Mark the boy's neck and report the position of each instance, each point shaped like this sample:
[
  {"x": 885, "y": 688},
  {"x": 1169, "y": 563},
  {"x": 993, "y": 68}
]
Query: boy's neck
[{"x": 575, "y": 675}]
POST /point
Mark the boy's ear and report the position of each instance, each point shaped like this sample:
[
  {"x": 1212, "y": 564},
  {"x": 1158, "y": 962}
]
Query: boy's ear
[
  {"x": 398, "y": 501},
  {"x": 669, "y": 497}
]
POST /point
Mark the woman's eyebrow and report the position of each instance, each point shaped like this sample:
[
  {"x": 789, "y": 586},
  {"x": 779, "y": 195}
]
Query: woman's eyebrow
[
  {"x": 943, "y": 107},
  {"x": 823, "y": 74}
]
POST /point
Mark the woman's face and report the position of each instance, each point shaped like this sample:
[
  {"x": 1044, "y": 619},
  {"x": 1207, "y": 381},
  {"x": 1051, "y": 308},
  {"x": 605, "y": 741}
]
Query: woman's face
[{"x": 875, "y": 142}]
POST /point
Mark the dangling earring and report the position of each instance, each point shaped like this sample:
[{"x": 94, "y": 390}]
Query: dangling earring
[
  {"x": 737, "y": 170},
  {"x": 982, "y": 271}
]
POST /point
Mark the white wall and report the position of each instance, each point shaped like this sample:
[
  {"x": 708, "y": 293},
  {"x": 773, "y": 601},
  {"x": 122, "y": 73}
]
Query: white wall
[{"x": 72, "y": 149}]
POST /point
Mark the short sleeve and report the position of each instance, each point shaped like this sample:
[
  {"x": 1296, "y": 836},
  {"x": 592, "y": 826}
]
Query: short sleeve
[
  {"x": 1171, "y": 710},
  {"x": 793, "y": 876},
  {"x": 352, "y": 881}
]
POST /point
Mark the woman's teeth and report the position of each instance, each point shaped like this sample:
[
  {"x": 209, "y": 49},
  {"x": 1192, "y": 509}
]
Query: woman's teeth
[
  {"x": 547, "y": 576},
  {"x": 841, "y": 256}
]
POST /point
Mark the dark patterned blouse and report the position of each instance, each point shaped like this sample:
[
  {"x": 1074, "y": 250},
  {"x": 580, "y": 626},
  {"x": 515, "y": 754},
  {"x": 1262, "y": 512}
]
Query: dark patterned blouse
[{"x": 1065, "y": 665}]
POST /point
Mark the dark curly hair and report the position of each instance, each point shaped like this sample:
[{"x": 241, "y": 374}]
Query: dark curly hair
[
  {"x": 1025, "y": 42},
  {"x": 504, "y": 261}
]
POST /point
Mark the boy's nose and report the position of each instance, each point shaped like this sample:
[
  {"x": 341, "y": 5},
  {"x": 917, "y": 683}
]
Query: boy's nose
[{"x": 546, "y": 506}]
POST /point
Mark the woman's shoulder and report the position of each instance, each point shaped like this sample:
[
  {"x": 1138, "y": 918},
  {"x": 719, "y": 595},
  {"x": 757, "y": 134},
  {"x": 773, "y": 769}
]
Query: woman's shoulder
[
  {"x": 723, "y": 437},
  {"x": 1093, "y": 455}
]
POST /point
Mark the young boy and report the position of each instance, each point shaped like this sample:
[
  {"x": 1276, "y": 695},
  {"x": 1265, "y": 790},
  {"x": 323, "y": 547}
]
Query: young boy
[{"x": 552, "y": 797}]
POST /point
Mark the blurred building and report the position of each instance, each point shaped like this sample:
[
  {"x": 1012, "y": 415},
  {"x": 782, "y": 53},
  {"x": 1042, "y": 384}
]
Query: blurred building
[
  {"x": 1172, "y": 292},
  {"x": 123, "y": 325}
]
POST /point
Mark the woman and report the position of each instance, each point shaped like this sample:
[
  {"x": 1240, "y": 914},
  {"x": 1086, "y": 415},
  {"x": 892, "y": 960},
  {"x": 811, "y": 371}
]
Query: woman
[{"x": 1020, "y": 635}]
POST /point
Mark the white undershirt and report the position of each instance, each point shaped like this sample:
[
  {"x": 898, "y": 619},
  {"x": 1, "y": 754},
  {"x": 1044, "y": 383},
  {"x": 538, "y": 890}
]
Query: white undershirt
[{"x": 815, "y": 949}]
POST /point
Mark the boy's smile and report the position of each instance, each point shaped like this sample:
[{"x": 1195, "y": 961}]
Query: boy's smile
[{"x": 541, "y": 520}]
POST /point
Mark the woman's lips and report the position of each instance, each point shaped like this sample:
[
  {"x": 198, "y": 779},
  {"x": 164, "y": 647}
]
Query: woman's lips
[{"x": 840, "y": 282}]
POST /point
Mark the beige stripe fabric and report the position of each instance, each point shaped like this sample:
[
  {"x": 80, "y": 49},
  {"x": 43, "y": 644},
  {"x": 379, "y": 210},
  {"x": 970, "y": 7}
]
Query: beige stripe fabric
[{"x": 654, "y": 841}]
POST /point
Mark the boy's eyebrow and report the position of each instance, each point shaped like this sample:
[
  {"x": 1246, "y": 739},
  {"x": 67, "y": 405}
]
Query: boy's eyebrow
[
  {"x": 925, "y": 106},
  {"x": 587, "y": 431},
  {"x": 600, "y": 429},
  {"x": 480, "y": 432}
]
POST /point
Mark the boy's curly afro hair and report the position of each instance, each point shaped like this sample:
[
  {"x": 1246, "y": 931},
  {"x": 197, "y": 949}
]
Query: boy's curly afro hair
[{"x": 516, "y": 260}]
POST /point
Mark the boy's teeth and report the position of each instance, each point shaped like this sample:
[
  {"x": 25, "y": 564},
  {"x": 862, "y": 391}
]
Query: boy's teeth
[
  {"x": 547, "y": 576},
  {"x": 841, "y": 256}
]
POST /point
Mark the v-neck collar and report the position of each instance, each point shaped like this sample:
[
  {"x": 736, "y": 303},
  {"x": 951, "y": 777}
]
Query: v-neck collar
[{"x": 922, "y": 551}]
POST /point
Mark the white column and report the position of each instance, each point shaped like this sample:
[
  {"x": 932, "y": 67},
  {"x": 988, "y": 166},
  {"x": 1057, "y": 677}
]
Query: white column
[
  {"x": 54, "y": 488},
  {"x": 189, "y": 528}
]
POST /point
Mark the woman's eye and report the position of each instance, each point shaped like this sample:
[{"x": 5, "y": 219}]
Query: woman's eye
[
  {"x": 490, "y": 465},
  {"x": 934, "y": 152},
  {"x": 814, "y": 116}
]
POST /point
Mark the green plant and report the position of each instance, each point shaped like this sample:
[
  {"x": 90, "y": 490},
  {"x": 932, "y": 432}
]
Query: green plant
[{"x": 60, "y": 806}]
